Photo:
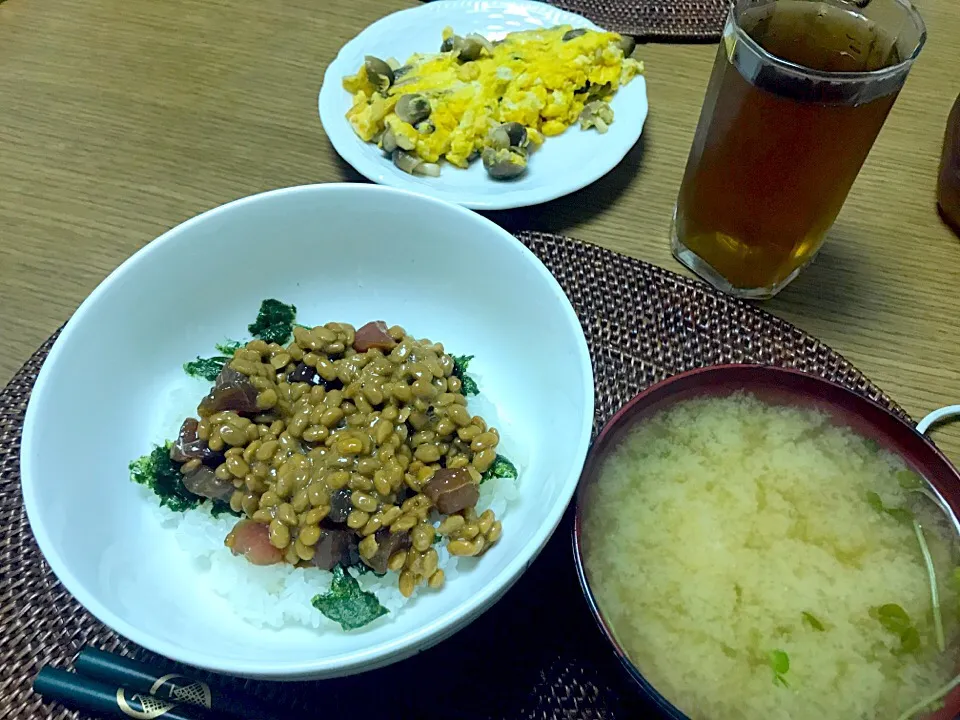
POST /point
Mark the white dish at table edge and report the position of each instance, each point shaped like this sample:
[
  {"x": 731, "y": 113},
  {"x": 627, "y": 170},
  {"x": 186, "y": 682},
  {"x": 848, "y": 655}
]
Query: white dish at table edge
[
  {"x": 564, "y": 164},
  {"x": 96, "y": 529}
]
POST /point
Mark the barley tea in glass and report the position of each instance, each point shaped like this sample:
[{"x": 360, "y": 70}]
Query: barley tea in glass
[{"x": 799, "y": 91}]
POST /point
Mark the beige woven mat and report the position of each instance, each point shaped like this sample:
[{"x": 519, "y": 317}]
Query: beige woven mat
[{"x": 536, "y": 655}]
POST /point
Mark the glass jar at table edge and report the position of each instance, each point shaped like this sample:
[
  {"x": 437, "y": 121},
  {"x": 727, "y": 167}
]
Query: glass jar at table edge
[
  {"x": 948, "y": 182},
  {"x": 798, "y": 93}
]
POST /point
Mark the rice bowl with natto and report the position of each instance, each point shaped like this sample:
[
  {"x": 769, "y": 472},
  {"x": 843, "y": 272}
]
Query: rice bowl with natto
[
  {"x": 325, "y": 460},
  {"x": 101, "y": 537}
]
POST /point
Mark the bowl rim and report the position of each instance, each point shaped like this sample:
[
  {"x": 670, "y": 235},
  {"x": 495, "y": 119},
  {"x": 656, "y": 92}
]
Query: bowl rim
[
  {"x": 623, "y": 417},
  {"x": 347, "y": 662}
]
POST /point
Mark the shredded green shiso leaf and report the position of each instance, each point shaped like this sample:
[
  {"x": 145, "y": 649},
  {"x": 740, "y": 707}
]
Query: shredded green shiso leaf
[
  {"x": 209, "y": 368},
  {"x": 346, "y": 604},
  {"x": 157, "y": 471},
  {"x": 460, "y": 365},
  {"x": 501, "y": 468},
  {"x": 205, "y": 368},
  {"x": 274, "y": 323}
]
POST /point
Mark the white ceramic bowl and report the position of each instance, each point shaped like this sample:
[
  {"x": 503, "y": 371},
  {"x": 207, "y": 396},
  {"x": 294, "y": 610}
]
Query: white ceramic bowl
[
  {"x": 563, "y": 165},
  {"x": 113, "y": 385}
]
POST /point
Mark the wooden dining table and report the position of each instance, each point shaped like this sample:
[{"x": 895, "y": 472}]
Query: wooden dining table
[{"x": 121, "y": 118}]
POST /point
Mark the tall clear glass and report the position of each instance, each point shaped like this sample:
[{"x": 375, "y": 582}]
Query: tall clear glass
[{"x": 798, "y": 93}]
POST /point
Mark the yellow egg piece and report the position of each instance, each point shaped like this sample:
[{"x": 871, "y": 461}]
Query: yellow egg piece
[{"x": 540, "y": 79}]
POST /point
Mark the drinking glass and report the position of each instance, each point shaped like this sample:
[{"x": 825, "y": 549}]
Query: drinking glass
[{"x": 799, "y": 91}]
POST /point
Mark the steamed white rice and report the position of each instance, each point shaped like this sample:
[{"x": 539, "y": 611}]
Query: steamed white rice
[{"x": 279, "y": 595}]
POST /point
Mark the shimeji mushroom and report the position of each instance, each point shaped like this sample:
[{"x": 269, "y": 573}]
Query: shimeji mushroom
[
  {"x": 413, "y": 108},
  {"x": 505, "y": 163},
  {"x": 410, "y": 163},
  {"x": 378, "y": 72},
  {"x": 597, "y": 114},
  {"x": 511, "y": 134},
  {"x": 468, "y": 48}
]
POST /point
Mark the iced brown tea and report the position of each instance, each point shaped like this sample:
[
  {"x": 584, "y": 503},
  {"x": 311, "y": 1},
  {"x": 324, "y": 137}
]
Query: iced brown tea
[{"x": 798, "y": 93}]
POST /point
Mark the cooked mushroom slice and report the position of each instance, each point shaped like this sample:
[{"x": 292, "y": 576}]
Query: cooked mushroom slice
[
  {"x": 499, "y": 138},
  {"x": 413, "y": 108},
  {"x": 511, "y": 134},
  {"x": 486, "y": 44},
  {"x": 571, "y": 34},
  {"x": 451, "y": 43},
  {"x": 628, "y": 45},
  {"x": 599, "y": 91},
  {"x": 388, "y": 141},
  {"x": 378, "y": 72},
  {"x": 472, "y": 47},
  {"x": 505, "y": 163},
  {"x": 405, "y": 161},
  {"x": 596, "y": 114},
  {"x": 410, "y": 163},
  {"x": 404, "y": 142}
]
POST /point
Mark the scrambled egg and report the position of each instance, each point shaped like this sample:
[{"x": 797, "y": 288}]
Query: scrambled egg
[{"x": 542, "y": 80}]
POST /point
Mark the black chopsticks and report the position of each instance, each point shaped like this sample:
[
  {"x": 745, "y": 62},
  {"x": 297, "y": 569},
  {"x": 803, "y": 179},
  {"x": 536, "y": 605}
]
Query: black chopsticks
[
  {"x": 80, "y": 693},
  {"x": 113, "y": 686}
]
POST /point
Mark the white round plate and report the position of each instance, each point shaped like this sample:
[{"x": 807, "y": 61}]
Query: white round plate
[
  {"x": 113, "y": 386},
  {"x": 561, "y": 166}
]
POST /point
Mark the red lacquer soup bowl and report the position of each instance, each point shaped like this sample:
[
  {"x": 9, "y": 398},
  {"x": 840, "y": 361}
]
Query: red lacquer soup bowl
[{"x": 777, "y": 386}]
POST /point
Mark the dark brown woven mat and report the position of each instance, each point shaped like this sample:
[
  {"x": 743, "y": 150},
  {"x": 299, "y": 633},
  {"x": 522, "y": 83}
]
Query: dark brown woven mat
[
  {"x": 654, "y": 20},
  {"x": 536, "y": 655}
]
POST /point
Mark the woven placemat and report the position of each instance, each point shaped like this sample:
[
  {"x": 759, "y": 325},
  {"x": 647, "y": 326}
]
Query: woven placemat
[
  {"x": 654, "y": 20},
  {"x": 536, "y": 655}
]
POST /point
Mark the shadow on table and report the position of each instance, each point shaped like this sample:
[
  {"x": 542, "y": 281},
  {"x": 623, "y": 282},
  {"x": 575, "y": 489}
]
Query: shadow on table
[
  {"x": 562, "y": 213},
  {"x": 347, "y": 173},
  {"x": 831, "y": 281}
]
